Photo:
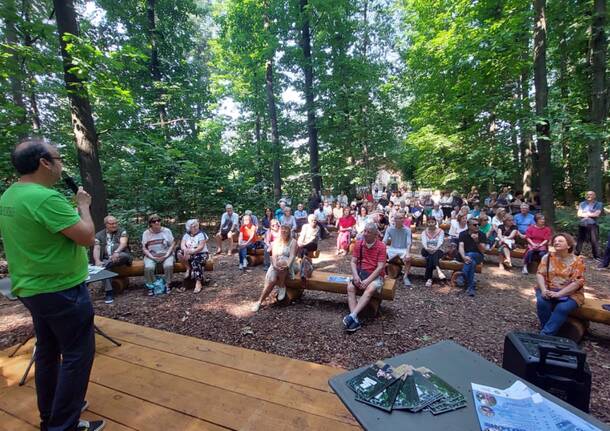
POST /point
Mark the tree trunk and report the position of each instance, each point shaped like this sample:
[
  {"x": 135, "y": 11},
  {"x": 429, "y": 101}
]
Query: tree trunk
[
  {"x": 155, "y": 70},
  {"x": 527, "y": 143},
  {"x": 543, "y": 129},
  {"x": 312, "y": 131},
  {"x": 597, "y": 103},
  {"x": 82, "y": 119},
  {"x": 259, "y": 154},
  {"x": 17, "y": 74},
  {"x": 517, "y": 174},
  {"x": 562, "y": 82},
  {"x": 275, "y": 136},
  {"x": 34, "y": 111}
]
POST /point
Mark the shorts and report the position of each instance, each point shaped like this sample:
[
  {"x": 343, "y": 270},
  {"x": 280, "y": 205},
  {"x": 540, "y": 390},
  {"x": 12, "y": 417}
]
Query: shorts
[
  {"x": 396, "y": 252},
  {"x": 377, "y": 283},
  {"x": 224, "y": 234}
]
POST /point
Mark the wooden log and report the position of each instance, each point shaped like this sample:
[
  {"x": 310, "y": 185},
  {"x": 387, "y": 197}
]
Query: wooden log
[
  {"x": 393, "y": 270},
  {"x": 574, "y": 329},
  {"x": 137, "y": 268},
  {"x": 420, "y": 262},
  {"x": 592, "y": 310},
  {"x": 256, "y": 252},
  {"x": 119, "y": 284},
  {"x": 255, "y": 260},
  {"x": 320, "y": 281},
  {"x": 313, "y": 254},
  {"x": 517, "y": 253}
]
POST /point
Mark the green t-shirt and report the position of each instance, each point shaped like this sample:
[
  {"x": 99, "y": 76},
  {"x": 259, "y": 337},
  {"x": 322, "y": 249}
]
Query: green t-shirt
[{"x": 40, "y": 258}]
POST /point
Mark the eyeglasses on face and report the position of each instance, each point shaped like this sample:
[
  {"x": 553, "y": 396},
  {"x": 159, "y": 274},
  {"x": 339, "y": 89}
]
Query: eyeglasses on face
[{"x": 155, "y": 221}]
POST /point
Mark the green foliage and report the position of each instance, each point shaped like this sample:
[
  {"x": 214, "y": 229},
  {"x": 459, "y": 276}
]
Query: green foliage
[{"x": 439, "y": 89}]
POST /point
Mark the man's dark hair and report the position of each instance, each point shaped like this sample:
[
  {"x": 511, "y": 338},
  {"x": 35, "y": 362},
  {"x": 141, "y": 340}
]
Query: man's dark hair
[{"x": 26, "y": 156}]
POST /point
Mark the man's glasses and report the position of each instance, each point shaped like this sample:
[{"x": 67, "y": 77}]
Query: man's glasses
[
  {"x": 474, "y": 224},
  {"x": 155, "y": 221}
]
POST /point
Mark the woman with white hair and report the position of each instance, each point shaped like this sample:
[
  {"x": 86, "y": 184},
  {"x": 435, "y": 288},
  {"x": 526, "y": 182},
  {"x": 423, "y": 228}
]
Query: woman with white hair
[{"x": 193, "y": 253}]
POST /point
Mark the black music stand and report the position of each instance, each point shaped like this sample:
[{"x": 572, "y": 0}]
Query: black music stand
[{"x": 5, "y": 290}]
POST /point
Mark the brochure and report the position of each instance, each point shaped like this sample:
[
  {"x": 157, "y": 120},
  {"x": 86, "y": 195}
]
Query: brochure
[
  {"x": 374, "y": 380},
  {"x": 519, "y": 408}
]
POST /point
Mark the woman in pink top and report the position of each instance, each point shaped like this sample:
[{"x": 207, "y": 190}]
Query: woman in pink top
[
  {"x": 537, "y": 236},
  {"x": 345, "y": 225}
]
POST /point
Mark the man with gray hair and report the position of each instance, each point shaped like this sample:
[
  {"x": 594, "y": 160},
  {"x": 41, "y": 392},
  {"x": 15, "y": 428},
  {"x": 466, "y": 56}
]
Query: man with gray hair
[
  {"x": 111, "y": 249},
  {"x": 523, "y": 220},
  {"x": 229, "y": 229},
  {"x": 368, "y": 270}
]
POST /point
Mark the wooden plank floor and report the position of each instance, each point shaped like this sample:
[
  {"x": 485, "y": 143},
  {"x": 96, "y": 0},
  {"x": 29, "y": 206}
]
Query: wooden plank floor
[{"x": 162, "y": 381}]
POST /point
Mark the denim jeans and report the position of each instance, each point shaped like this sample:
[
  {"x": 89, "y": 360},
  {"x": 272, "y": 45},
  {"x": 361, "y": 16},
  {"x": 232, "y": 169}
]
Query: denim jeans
[
  {"x": 469, "y": 269},
  {"x": 65, "y": 346},
  {"x": 243, "y": 252},
  {"x": 552, "y": 313}
]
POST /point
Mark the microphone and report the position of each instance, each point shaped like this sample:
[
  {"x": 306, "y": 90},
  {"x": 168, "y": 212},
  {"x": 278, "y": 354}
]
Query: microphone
[{"x": 70, "y": 183}]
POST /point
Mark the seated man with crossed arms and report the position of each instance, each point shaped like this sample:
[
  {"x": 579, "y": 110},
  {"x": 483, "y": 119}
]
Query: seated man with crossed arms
[
  {"x": 368, "y": 270},
  {"x": 399, "y": 240}
]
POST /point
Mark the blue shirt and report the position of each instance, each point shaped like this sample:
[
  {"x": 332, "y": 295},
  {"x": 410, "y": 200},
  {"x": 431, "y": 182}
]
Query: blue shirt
[{"x": 524, "y": 221}]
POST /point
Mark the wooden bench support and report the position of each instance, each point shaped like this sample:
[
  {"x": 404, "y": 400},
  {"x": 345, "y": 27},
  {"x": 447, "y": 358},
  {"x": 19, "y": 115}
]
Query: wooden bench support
[{"x": 574, "y": 329}]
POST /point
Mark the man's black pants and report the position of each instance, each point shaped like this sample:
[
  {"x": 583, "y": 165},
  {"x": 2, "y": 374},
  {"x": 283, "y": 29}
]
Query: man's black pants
[
  {"x": 588, "y": 233},
  {"x": 65, "y": 346}
]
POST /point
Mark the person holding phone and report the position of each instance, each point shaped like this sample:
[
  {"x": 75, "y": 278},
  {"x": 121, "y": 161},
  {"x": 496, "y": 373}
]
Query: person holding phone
[
  {"x": 560, "y": 284},
  {"x": 44, "y": 240}
]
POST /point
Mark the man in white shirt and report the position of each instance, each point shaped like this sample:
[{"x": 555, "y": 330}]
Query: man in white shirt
[
  {"x": 322, "y": 219},
  {"x": 229, "y": 229}
]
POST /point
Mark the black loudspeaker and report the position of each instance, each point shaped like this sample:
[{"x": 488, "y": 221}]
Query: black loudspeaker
[{"x": 554, "y": 364}]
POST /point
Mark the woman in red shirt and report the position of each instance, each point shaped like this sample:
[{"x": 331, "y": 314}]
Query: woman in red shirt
[
  {"x": 537, "y": 236},
  {"x": 345, "y": 226},
  {"x": 247, "y": 238}
]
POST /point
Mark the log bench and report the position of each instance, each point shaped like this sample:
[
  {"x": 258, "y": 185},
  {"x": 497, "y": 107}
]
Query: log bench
[
  {"x": 257, "y": 256},
  {"x": 136, "y": 269},
  {"x": 321, "y": 281},
  {"x": 394, "y": 267},
  {"x": 592, "y": 311},
  {"x": 517, "y": 253}
]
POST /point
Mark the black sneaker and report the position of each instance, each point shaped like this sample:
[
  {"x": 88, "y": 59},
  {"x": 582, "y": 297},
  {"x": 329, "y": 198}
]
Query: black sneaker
[
  {"x": 108, "y": 299},
  {"x": 347, "y": 320},
  {"x": 353, "y": 326},
  {"x": 90, "y": 425}
]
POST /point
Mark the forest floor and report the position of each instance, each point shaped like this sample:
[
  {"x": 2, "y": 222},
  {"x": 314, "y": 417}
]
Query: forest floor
[{"x": 311, "y": 328}]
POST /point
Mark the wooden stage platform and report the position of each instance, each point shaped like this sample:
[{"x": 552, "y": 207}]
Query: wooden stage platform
[{"x": 162, "y": 381}]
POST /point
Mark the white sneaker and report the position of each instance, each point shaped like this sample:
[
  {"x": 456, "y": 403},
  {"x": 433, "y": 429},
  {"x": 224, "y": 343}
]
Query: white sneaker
[
  {"x": 441, "y": 274},
  {"x": 524, "y": 270},
  {"x": 256, "y": 307},
  {"x": 241, "y": 266},
  {"x": 406, "y": 281},
  {"x": 429, "y": 283},
  {"x": 281, "y": 293}
]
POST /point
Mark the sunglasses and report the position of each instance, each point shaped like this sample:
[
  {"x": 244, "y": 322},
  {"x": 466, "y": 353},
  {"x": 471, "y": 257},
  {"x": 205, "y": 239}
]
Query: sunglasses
[
  {"x": 475, "y": 224},
  {"x": 155, "y": 221}
]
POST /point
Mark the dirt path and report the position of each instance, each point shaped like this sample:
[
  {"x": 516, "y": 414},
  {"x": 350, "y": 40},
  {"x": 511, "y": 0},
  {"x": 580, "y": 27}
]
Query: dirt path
[{"x": 311, "y": 329}]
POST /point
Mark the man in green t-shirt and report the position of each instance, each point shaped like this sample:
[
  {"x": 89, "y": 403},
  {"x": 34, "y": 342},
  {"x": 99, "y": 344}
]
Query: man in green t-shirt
[{"x": 44, "y": 240}]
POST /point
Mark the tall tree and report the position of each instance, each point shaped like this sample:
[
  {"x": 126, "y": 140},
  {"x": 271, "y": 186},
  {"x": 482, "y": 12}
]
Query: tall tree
[
  {"x": 16, "y": 77},
  {"x": 598, "y": 101},
  {"x": 272, "y": 111},
  {"x": 155, "y": 70},
  {"x": 312, "y": 130},
  {"x": 80, "y": 109},
  {"x": 543, "y": 128}
]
